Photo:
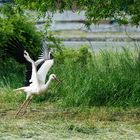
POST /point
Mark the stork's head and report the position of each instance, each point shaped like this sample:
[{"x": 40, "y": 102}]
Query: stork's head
[
  {"x": 27, "y": 57},
  {"x": 53, "y": 77}
]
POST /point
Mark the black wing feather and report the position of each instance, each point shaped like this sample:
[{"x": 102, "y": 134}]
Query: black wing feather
[
  {"x": 40, "y": 64},
  {"x": 28, "y": 73},
  {"x": 15, "y": 49}
]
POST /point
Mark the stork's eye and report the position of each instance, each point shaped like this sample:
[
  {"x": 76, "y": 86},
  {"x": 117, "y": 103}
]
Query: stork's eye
[{"x": 54, "y": 77}]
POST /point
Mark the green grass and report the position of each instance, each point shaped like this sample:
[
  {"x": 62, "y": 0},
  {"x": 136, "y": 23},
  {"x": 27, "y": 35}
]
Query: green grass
[
  {"x": 97, "y": 99},
  {"x": 48, "y": 121},
  {"x": 88, "y": 79},
  {"x": 105, "y": 79}
]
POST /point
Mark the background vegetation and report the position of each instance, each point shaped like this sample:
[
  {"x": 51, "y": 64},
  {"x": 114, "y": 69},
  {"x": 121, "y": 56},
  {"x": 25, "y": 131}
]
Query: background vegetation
[
  {"x": 122, "y": 11},
  {"x": 88, "y": 79},
  {"x": 107, "y": 78},
  {"x": 99, "y": 93}
]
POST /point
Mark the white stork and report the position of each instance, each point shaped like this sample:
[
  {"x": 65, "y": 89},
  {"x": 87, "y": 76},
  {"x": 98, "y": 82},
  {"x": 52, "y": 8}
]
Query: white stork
[{"x": 35, "y": 71}]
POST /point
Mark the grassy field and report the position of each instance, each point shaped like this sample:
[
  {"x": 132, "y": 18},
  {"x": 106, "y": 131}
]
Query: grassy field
[
  {"x": 98, "y": 99},
  {"x": 48, "y": 121}
]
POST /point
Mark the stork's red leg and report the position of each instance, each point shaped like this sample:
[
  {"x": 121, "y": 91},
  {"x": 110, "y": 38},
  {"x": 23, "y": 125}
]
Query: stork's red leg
[{"x": 26, "y": 105}]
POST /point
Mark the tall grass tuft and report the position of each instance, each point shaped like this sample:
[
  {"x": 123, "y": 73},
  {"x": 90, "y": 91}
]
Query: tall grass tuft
[
  {"x": 103, "y": 79},
  {"x": 93, "y": 79}
]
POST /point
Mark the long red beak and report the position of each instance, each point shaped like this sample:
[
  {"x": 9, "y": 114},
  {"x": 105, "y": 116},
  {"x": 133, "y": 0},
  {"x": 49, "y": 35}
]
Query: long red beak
[{"x": 58, "y": 81}]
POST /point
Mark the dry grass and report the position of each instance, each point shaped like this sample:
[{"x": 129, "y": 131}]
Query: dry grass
[{"x": 48, "y": 121}]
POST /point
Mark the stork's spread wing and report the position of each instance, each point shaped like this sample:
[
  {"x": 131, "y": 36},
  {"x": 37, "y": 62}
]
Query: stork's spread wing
[
  {"x": 15, "y": 49},
  {"x": 45, "y": 51},
  {"x": 44, "y": 63},
  {"x": 28, "y": 73},
  {"x": 43, "y": 70}
]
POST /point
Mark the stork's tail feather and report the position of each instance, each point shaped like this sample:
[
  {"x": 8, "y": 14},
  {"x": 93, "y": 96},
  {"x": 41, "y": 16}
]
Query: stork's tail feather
[{"x": 19, "y": 89}]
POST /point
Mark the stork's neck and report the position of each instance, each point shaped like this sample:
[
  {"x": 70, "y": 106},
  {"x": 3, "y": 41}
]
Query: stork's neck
[{"x": 48, "y": 83}]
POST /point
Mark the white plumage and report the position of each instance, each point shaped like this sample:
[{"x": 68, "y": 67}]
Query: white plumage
[{"x": 36, "y": 71}]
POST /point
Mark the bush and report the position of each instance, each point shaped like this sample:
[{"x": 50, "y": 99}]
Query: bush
[{"x": 16, "y": 24}]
